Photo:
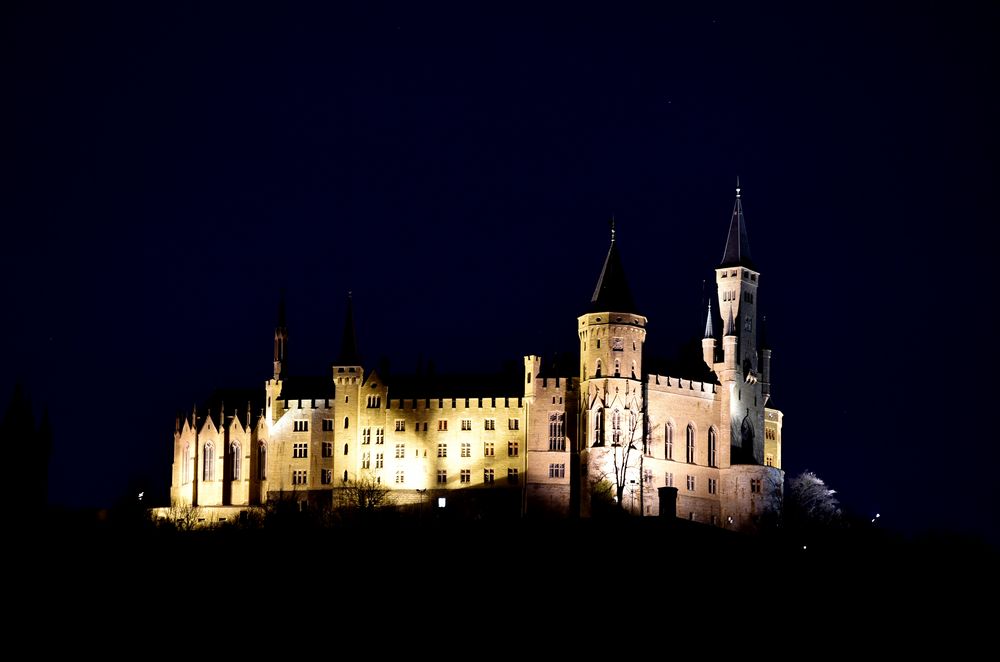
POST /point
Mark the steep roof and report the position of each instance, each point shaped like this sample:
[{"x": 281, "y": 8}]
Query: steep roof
[
  {"x": 612, "y": 292},
  {"x": 737, "y": 253}
]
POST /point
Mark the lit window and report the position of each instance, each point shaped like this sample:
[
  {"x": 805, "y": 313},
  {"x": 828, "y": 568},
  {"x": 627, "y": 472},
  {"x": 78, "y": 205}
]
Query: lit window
[
  {"x": 301, "y": 425},
  {"x": 302, "y": 450},
  {"x": 599, "y": 427},
  {"x": 466, "y": 449},
  {"x": 466, "y": 423},
  {"x": 557, "y": 471},
  {"x": 208, "y": 465},
  {"x": 442, "y": 450},
  {"x": 466, "y": 476},
  {"x": 488, "y": 449},
  {"x": 557, "y": 432},
  {"x": 690, "y": 483},
  {"x": 186, "y": 461},
  {"x": 513, "y": 448},
  {"x": 488, "y": 475},
  {"x": 400, "y": 451},
  {"x": 616, "y": 428},
  {"x": 442, "y": 476}
]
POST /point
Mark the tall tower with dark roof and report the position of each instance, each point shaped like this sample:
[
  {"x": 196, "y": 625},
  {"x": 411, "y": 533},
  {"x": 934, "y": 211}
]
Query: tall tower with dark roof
[{"x": 738, "y": 279}]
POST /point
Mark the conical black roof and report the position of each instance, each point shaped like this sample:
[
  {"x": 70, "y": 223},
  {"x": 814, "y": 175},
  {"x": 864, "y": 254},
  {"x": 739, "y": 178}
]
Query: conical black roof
[
  {"x": 737, "y": 253},
  {"x": 612, "y": 292},
  {"x": 349, "y": 354}
]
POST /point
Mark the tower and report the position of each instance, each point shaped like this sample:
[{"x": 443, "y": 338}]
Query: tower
[
  {"x": 743, "y": 397},
  {"x": 737, "y": 279},
  {"x": 612, "y": 410},
  {"x": 280, "y": 341}
]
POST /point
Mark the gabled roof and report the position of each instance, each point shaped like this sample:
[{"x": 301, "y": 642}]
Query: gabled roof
[
  {"x": 737, "y": 253},
  {"x": 612, "y": 292}
]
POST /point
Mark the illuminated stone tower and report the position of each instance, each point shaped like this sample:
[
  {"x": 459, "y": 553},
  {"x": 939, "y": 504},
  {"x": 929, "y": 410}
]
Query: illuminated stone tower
[
  {"x": 743, "y": 396},
  {"x": 611, "y": 337}
]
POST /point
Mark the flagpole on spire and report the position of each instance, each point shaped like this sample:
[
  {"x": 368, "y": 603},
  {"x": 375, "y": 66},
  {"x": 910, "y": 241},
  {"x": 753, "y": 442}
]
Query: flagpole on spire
[
  {"x": 612, "y": 228},
  {"x": 737, "y": 186}
]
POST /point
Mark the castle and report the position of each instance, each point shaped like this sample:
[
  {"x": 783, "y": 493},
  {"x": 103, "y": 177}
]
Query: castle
[{"x": 539, "y": 444}]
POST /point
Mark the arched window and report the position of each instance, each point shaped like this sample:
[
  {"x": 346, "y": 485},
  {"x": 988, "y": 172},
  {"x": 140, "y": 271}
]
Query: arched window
[
  {"x": 598, "y": 371},
  {"x": 668, "y": 441},
  {"x": 599, "y": 427},
  {"x": 186, "y": 460},
  {"x": 208, "y": 462},
  {"x": 234, "y": 460},
  {"x": 690, "y": 444},
  {"x": 713, "y": 458},
  {"x": 262, "y": 461},
  {"x": 616, "y": 427},
  {"x": 345, "y": 449},
  {"x": 347, "y": 422},
  {"x": 618, "y": 368},
  {"x": 633, "y": 370}
]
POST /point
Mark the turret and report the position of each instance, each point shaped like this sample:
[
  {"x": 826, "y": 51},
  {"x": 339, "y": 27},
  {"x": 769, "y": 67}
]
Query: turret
[
  {"x": 730, "y": 346},
  {"x": 708, "y": 341},
  {"x": 737, "y": 279},
  {"x": 280, "y": 342}
]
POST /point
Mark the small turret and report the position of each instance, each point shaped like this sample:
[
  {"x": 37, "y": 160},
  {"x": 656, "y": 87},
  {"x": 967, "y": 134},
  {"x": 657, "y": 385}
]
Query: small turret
[
  {"x": 708, "y": 341},
  {"x": 729, "y": 343},
  {"x": 280, "y": 342}
]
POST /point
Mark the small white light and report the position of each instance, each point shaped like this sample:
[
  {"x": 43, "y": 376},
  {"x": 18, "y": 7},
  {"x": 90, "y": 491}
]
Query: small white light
[
  {"x": 140, "y": 495},
  {"x": 803, "y": 546},
  {"x": 877, "y": 516},
  {"x": 441, "y": 502}
]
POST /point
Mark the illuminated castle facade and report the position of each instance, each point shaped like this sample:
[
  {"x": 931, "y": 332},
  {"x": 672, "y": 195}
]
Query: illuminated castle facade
[{"x": 539, "y": 444}]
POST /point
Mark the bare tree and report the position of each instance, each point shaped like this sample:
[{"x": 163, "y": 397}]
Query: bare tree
[
  {"x": 366, "y": 494},
  {"x": 810, "y": 503},
  {"x": 624, "y": 452}
]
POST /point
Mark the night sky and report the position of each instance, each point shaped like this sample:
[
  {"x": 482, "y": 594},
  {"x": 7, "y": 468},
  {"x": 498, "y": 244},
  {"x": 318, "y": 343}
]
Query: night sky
[{"x": 167, "y": 170}]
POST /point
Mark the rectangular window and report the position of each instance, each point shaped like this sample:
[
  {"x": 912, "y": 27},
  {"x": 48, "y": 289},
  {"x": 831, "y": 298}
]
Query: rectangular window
[
  {"x": 488, "y": 475},
  {"x": 442, "y": 476},
  {"x": 668, "y": 480},
  {"x": 442, "y": 450},
  {"x": 557, "y": 431},
  {"x": 690, "y": 483},
  {"x": 513, "y": 424},
  {"x": 400, "y": 451},
  {"x": 327, "y": 449},
  {"x": 490, "y": 424},
  {"x": 366, "y": 436},
  {"x": 466, "y": 423},
  {"x": 400, "y": 425},
  {"x": 301, "y": 425},
  {"x": 466, "y": 476},
  {"x": 299, "y": 477},
  {"x": 442, "y": 425},
  {"x": 647, "y": 476},
  {"x": 712, "y": 486},
  {"x": 379, "y": 462},
  {"x": 366, "y": 461},
  {"x": 326, "y": 476},
  {"x": 768, "y": 460},
  {"x": 300, "y": 450},
  {"x": 379, "y": 435},
  {"x": 327, "y": 425},
  {"x": 488, "y": 449},
  {"x": 755, "y": 485},
  {"x": 466, "y": 449},
  {"x": 400, "y": 477},
  {"x": 512, "y": 475},
  {"x": 513, "y": 448},
  {"x": 557, "y": 471}
]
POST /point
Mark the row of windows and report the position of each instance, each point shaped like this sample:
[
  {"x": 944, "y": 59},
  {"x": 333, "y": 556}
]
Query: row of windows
[
  {"x": 208, "y": 462},
  {"x": 618, "y": 369},
  {"x": 465, "y": 448},
  {"x": 302, "y": 424},
  {"x": 442, "y": 426},
  {"x": 557, "y": 432},
  {"x": 366, "y": 436},
  {"x": 668, "y": 480},
  {"x": 690, "y": 448},
  {"x": 736, "y": 272}
]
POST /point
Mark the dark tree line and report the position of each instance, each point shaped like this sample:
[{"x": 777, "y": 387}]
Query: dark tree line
[{"x": 27, "y": 447}]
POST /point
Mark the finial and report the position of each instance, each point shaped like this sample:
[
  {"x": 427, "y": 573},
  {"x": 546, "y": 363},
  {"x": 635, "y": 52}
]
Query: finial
[
  {"x": 612, "y": 228},
  {"x": 737, "y": 186}
]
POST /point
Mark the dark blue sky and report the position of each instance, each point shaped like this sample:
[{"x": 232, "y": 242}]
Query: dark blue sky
[{"x": 166, "y": 170}]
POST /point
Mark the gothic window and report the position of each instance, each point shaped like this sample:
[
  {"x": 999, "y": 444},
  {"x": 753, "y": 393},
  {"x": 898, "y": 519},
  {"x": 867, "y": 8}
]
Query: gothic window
[
  {"x": 186, "y": 460},
  {"x": 668, "y": 441},
  {"x": 713, "y": 458},
  {"x": 234, "y": 460},
  {"x": 208, "y": 466},
  {"x": 597, "y": 372},
  {"x": 599, "y": 427},
  {"x": 618, "y": 368},
  {"x": 262, "y": 461},
  {"x": 690, "y": 444},
  {"x": 616, "y": 428},
  {"x": 345, "y": 475},
  {"x": 557, "y": 432},
  {"x": 345, "y": 449}
]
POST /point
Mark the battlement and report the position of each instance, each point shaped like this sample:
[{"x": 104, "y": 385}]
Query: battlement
[
  {"x": 668, "y": 384},
  {"x": 456, "y": 403},
  {"x": 306, "y": 403}
]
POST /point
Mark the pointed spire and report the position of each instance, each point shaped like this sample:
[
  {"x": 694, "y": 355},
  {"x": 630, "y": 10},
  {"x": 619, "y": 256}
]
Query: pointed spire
[
  {"x": 280, "y": 341},
  {"x": 349, "y": 344},
  {"x": 709, "y": 331},
  {"x": 612, "y": 292},
  {"x": 731, "y": 324},
  {"x": 737, "y": 253}
]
